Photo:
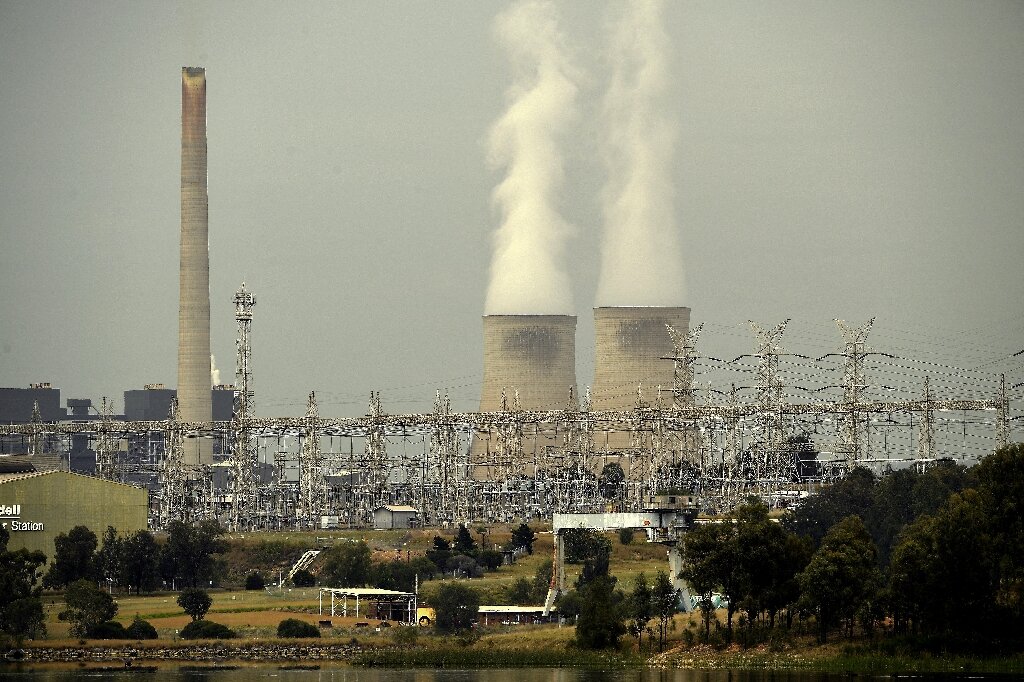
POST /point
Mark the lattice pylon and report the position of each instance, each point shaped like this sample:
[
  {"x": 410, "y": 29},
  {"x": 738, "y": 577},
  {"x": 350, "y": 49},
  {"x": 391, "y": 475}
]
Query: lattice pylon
[
  {"x": 312, "y": 483},
  {"x": 767, "y": 451},
  {"x": 854, "y": 352},
  {"x": 243, "y": 464},
  {"x": 172, "y": 475},
  {"x": 107, "y": 465},
  {"x": 684, "y": 355},
  {"x": 925, "y": 435}
]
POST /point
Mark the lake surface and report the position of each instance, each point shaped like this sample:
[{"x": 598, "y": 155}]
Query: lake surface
[{"x": 273, "y": 673}]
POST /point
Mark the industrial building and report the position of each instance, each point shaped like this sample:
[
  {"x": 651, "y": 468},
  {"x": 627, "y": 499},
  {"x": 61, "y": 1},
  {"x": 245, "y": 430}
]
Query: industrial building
[
  {"x": 36, "y": 507},
  {"x": 392, "y": 516}
]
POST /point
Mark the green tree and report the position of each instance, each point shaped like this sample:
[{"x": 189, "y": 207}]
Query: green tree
[
  {"x": 347, "y": 565},
  {"x": 86, "y": 607},
  {"x": 141, "y": 629},
  {"x": 21, "y": 609},
  {"x": 110, "y": 557},
  {"x": 523, "y": 536},
  {"x": 464, "y": 543},
  {"x": 610, "y": 480},
  {"x": 839, "y": 580},
  {"x": 303, "y": 578},
  {"x": 1001, "y": 491},
  {"x": 254, "y": 581},
  {"x": 195, "y": 602},
  {"x": 600, "y": 622},
  {"x": 455, "y": 607},
  {"x": 140, "y": 562},
  {"x": 520, "y": 592},
  {"x": 542, "y": 581},
  {"x": 640, "y": 608},
  {"x": 583, "y": 543},
  {"x": 293, "y": 627},
  {"x": 705, "y": 563},
  {"x": 665, "y": 603},
  {"x": 190, "y": 553},
  {"x": 73, "y": 558},
  {"x": 850, "y": 496},
  {"x": 626, "y": 536},
  {"x": 928, "y": 566}
]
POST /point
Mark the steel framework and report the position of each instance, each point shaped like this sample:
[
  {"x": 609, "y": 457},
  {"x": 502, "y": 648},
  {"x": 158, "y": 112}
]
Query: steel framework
[{"x": 542, "y": 462}]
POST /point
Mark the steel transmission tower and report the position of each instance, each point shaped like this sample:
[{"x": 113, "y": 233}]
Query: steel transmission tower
[
  {"x": 106, "y": 447},
  {"x": 312, "y": 483},
  {"x": 855, "y": 350},
  {"x": 244, "y": 473}
]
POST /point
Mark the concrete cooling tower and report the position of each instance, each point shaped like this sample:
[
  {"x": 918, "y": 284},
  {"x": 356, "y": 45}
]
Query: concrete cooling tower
[
  {"x": 194, "y": 402},
  {"x": 629, "y": 346},
  {"x": 534, "y": 355}
]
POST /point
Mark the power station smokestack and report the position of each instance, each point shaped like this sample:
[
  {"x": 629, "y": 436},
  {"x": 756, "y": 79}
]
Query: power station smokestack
[
  {"x": 194, "y": 399},
  {"x": 532, "y": 355},
  {"x": 629, "y": 344}
]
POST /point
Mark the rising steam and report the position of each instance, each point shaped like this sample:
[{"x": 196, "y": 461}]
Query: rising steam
[
  {"x": 527, "y": 271},
  {"x": 641, "y": 257}
]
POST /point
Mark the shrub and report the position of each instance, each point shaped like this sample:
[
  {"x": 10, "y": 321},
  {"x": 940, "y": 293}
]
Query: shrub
[
  {"x": 206, "y": 629},
  {"x": 406, "y": 636},
  {"x": 293, "y": 627},
  {"x": 195, "y": 602},
  {"x": 490, "y": 559},
  {"x": 303, "y": 578},
  {"x": 254, "y": 581},
  {"x": 626, "y": 536},
  {"x": 110, "y": 629},
  {"x": 141, "y": 629}
]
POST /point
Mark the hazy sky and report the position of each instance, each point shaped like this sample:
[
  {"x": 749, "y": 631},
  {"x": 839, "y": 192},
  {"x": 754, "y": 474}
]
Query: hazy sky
[{"x": 831, "y": 159}]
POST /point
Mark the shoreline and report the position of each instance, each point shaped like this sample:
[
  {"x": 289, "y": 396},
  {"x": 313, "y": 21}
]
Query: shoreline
[{"x": 224, "y": 655}]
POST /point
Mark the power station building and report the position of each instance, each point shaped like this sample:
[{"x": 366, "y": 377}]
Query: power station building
[{"x": 36, "y": 507}]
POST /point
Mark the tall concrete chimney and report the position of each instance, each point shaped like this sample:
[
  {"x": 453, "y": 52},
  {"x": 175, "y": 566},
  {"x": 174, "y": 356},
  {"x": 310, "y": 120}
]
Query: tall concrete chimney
[
  {"x": 194, "y": 400},
  {"x": 534, "y": 355},
  {"x": 629, "y": 344}
]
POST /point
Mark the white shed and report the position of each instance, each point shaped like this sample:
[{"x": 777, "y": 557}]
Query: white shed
[{"x": 395, "y": 516}]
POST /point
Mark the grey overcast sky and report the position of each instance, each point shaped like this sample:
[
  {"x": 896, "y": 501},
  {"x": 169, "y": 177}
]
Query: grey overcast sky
[{"x": 833, "y": 159}]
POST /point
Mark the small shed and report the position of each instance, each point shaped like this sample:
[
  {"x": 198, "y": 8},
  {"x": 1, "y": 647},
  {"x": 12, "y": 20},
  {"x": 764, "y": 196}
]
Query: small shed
[{"x": 395, "y": 516}]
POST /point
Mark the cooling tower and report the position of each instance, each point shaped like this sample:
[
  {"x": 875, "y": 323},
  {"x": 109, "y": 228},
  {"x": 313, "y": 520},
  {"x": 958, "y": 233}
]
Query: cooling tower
[
  {"x": 629, "y": 346},
  {"x": 194, "y": 402},
  {"x": 534, "y": 355}
]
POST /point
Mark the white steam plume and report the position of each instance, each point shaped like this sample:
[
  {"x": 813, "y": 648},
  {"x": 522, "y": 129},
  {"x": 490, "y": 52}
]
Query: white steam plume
[
  {"x": 528, "y": 267},
  {"x": 641, "y": 256},
  {"x": 214, "y": 372}
]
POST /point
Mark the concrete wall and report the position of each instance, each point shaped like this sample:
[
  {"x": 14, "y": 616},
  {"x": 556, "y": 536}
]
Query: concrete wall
[
  {"x": 194, "y": 383},
  {"x": 60, "y": 501}
]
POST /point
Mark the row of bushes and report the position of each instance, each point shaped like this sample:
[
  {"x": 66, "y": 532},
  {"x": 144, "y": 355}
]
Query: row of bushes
[{"x": 197, "y": 629}]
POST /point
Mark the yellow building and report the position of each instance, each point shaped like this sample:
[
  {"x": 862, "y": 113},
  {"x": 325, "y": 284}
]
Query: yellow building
[{"x": 36, "y": 507}]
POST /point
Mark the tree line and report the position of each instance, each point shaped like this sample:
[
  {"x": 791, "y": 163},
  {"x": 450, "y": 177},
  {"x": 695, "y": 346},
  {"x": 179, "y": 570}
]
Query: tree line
[{"x": 936, "y": 554}]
